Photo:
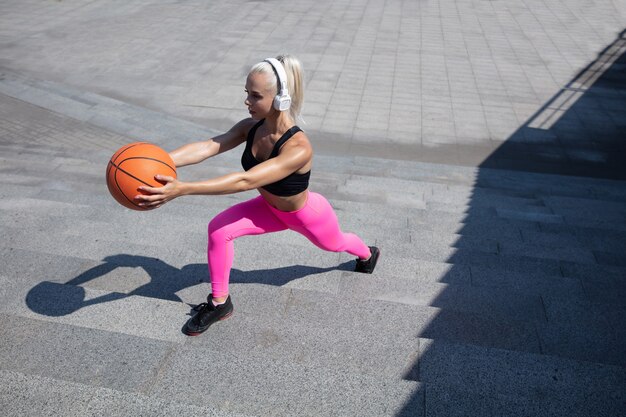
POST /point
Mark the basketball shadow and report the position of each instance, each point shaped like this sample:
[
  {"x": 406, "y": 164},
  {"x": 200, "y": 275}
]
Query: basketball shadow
[{"x": 56, "y": 299}]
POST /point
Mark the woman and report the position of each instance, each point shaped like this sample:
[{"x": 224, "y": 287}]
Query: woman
[{"x": 277, "y": 162}]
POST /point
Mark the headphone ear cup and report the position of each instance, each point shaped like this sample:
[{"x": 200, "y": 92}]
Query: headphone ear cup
[
  {"x": 276, "y": 102},
  {"x": 282, "y": 102}
]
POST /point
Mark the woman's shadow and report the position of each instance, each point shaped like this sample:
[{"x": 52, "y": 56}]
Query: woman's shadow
[{"x": 59, "y": 299}]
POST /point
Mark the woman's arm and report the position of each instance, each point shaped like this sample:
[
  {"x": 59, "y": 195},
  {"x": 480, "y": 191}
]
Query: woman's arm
[
  {"x": 193, "y": 153},
  {"x": 293, "y": 156}
]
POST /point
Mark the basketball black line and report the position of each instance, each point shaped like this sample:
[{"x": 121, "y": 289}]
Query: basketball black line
[
  {"x": 131, "y": 175},
  {"x": 130, "y": 147},
  {"x": 122, "y": 192},
  {"x": 117, "y": 167},
  {"x": 150, "y": 159}
]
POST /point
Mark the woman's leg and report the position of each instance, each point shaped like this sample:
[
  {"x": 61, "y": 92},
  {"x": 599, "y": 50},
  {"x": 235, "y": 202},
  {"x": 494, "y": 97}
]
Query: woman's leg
[
  {"x": 252, "y": 217},
  {"x": 318, "y": 222}
]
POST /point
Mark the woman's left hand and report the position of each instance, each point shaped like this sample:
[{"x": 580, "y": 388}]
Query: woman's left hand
[{"x": 157, "y": 196}]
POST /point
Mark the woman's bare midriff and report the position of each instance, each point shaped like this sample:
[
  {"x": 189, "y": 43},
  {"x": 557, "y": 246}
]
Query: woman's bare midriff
[{"x": 291, "y": 203}]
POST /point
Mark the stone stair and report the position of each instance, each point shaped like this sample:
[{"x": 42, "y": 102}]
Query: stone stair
[{"x": 497, "y": 292}]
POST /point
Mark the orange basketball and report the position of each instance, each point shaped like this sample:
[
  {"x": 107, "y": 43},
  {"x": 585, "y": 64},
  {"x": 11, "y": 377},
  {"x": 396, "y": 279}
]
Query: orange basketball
[{"x": 135, "y": 165}]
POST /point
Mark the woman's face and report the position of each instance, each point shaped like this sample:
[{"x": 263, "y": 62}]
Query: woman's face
[{"x": 259, "y": 96}]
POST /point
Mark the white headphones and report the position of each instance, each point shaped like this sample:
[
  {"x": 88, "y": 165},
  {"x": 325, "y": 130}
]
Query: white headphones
[{"x": 282, "y": 101}]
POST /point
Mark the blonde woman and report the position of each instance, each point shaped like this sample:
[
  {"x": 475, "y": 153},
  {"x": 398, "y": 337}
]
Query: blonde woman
[{"x": 277, "y": 162}]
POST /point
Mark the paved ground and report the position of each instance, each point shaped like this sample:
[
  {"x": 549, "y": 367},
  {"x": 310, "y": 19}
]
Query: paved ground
[
  {"x": 445, "y": 81},
  {"x": 479, "y": 143}
]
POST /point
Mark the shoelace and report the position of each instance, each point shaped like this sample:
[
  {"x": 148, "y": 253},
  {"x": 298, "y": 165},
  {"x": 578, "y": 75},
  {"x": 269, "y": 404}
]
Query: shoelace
[{"x": 201, "y": 306}]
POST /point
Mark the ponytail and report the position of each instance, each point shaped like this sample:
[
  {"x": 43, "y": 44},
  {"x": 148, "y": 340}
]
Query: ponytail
[{"x": 295, "y": 83}]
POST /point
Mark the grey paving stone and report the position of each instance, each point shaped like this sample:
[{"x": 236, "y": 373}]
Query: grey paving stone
[
  {"x": 605, "y": 289},
  {"x": 317, "y": 330},
  {"x": 10, "y": 190},
  {"x": 78, "y": 354},
  {"x": 393, "y": 267},
  {"x": 530, "y": 216},
  {"x": 157, "y": 314},
  {"x": 544, "y": 285},
  {"x": 494, "y": 228},
  {"x": 487, "y": 302},
  {"x": 469, "y": 318},
  {"x": 441, "y": 400},
  {"x": 573, "y": 326},
  {"x": 591, "y": 273},
  {"x": 17, "y": 264},
  {"x": 585, "y": 387},
  {"x": 585, "y": 206},
  {"x": 550, "y": 185},
  {"x": 113, "y": 403},
  {"x": 478, "y": 330},
  {"x": 546, "y": 239},
  {"x": 89, "y": 247},
  {"x": 283, "y": 388},
  {"x": 610, "y": 258},
  {"x": 478, "y": 258},
  {"x": 39, "y": 396},
  {"x": 600, "y": 238},
  {"x": 561, "y": 252},
  {"x": 33, "y": 395}
]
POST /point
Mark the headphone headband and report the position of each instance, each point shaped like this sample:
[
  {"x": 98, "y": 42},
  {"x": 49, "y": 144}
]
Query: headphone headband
[
  {"x": 282, "y": 101},
  {"x": 280, "y": 74}
]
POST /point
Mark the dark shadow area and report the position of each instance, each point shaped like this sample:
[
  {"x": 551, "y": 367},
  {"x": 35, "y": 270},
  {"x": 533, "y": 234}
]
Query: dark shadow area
[
  {"x": 539, "y": 331},
  {"x": 581, "y": 130},
  {"x": 56, "y": 299}
]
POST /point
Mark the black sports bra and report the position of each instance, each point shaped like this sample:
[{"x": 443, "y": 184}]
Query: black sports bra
[{"x": 290, "y": 185}]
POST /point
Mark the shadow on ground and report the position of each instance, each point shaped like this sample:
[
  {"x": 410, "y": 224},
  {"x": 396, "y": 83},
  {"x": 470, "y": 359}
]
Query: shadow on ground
[
  {"x": 580, "y": 132},
  {"x": 165, "y": 281}
]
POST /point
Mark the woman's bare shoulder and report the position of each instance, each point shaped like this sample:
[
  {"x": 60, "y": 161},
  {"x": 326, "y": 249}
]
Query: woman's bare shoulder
[{"x": 244, "y": 126}]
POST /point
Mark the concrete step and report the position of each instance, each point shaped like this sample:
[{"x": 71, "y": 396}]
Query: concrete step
[
  {"x": 35, "y": 126},
  {"x": 551, "y": 185},
  {"x": 451, "y": 194},
  {"x": 531, "y": 213},
  {"x": 498, "y": 315},
  {"x": 265, "y": 386},
  {"x": 181, "y": 364},
  {"x": 313, "y": 381},
  {"x": 501, "y": 236},
  {"x": 123, "y": 293},
  {"x": 134, "y": 122},
  {"x": 27, "y": 394},
  {"x": 435, "y": 189},
  {"x": 302, "y": 307},
  {"x": 493, "y": 378},
  {"x": 73, "y": 220},
  {"x": 581, "y": 237},
  {"x": 511, "y": 183},
  {"x": 97, "y": 111},
  {"x": 90, "y": 247}
]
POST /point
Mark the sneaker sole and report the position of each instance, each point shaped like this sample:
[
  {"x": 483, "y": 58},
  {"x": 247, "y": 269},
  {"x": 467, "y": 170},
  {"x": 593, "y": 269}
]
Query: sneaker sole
[
  {"x": 188, "y": 333},
  {"x": 376, "y": 256}
]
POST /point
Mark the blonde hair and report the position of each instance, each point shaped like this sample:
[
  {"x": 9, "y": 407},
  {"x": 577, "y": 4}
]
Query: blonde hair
[{"x": 295, "y": 83}]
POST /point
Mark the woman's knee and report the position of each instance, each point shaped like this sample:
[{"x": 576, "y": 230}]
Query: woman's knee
[{"x": 218, "y": 229}]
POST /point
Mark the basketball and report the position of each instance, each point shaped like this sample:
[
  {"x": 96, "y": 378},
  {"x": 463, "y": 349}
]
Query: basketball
[{"x": 135, "y": 165}]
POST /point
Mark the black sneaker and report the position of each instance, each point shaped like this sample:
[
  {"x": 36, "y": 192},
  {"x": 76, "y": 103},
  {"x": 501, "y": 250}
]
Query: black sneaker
[
  {"x": 206, "y": 315},
  {"x": 368, "y": 266}
]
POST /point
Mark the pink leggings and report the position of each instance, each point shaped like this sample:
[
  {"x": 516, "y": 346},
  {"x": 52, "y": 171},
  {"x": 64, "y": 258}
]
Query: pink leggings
[{"x": 316, "y": 221}]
